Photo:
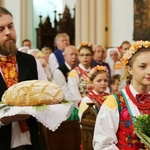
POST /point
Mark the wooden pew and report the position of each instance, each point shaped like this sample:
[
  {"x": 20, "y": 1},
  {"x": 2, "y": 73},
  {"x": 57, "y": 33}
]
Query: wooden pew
[
  {"x": 87, "y": 127},
  {"x": 66, "y": 137}
]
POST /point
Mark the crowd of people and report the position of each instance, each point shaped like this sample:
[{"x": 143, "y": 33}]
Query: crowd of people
[{"x": 110, "y": 78}]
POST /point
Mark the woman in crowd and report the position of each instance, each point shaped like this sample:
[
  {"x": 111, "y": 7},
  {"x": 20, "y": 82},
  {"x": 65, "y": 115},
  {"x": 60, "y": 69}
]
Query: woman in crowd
[
  {"x": 113, "y": 59},
  {"x": 123, "y": 49},
  {"x": 78, "y": 80},
  {"x": 114, "y": 123},
  {"x": 42, "y": 59},
  {"x": 46, "y": 51},
  {"x": 125, "y": 45},
  {"x": 99, "y": 77}
]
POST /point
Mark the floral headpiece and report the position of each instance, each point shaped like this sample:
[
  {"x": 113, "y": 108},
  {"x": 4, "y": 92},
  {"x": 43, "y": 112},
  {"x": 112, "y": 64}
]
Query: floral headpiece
[
  {"x": 85, "y": 44},
  {"x": 96, "y": 69},
  {"x": 133, "y": 49}
]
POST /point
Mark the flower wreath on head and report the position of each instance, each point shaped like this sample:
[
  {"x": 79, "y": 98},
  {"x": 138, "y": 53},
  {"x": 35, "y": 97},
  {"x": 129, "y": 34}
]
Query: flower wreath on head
[
  {"x": 96, "y": 69},
  {"x": 133, "y": 49},
  {"x": 85, "y": 44}
]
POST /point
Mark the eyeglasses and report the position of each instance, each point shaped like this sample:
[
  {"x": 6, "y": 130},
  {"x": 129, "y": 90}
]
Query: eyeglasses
[{"x": 85, "y": 55}]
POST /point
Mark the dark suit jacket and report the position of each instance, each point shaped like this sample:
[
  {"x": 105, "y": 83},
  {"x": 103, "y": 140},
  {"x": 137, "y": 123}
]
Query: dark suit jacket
[{"x": 27, "y": 70}]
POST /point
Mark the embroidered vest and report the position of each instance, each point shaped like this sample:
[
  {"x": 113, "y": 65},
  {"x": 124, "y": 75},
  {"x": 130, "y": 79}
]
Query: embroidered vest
[
  {"x": 65, "y": 71},
  {"x": 84, "y": 86},
  {"x": 59, "y": 56},
  {"x": 127, "y": 140}
]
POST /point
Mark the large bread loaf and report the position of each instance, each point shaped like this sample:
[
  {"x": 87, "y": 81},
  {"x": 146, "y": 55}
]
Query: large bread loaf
[{"x": 32, "y": 93}]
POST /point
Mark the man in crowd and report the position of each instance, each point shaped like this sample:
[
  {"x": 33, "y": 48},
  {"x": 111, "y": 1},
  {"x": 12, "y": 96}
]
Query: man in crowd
[
  {"x": 56, "y": 59},
  {"x": 15, "y": 67},
  {"x": 27, "y": 43},
  {"x": 61, "y": 73},
  {"x": 99, "y": 54}
]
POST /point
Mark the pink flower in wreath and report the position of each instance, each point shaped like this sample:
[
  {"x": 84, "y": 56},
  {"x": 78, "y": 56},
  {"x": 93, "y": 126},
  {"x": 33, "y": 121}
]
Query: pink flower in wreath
[{"x": 125, "y": 114}]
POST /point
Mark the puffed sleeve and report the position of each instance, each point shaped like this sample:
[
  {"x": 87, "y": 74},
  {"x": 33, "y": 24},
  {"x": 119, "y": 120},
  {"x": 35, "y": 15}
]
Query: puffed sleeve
[
  {"x": 73, "y": 85},
  {"x": 106, "y": 126},
  {"x": 60, "y": 80},
  {"x": 53, "y": 64}
]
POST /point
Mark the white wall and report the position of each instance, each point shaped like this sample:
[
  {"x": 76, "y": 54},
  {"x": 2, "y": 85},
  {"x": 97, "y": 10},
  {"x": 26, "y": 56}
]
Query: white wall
[
  {"x": 70, "y": 4},
  {"x": 121, "y": 21},
  {"x": 43, "y": 8},
  {"x": 47, "y": 7}
]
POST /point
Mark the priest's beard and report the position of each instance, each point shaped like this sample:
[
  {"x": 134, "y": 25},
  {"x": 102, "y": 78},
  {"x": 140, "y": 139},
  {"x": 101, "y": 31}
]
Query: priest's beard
[{"x": 8, "y": 47}]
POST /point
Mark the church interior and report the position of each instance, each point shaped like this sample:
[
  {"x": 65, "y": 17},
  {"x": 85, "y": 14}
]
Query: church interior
[{"x": 100, "y": 22}]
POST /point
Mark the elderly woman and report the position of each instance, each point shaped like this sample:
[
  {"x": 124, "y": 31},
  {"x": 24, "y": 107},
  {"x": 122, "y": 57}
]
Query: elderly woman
[{"x": 113, "y": 59}]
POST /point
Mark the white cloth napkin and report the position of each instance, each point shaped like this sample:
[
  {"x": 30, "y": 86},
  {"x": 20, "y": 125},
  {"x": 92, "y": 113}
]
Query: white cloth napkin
[{"x": 50, "y": 116}]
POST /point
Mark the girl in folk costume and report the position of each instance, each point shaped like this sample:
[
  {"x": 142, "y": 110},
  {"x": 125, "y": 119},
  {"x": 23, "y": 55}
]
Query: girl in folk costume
[
  {"x": 99, "y": 77},
  {"x": 114, "y": 123},
  {"x": 78, "y": 80}
]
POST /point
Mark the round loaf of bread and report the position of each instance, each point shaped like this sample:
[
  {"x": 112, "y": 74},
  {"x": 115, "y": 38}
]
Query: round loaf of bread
[{"x": 33, "y": 93}]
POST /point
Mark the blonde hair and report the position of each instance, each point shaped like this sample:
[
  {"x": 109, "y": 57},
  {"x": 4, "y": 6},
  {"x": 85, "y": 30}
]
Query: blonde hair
[
  {"x": 126, "y": 76},
  {"x": 46, "y": 48},
  {"x": 134, "y": 49}
]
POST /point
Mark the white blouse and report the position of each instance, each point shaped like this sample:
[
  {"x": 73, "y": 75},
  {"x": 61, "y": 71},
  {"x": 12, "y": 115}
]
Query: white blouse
[{"x": 73, "y": 85}]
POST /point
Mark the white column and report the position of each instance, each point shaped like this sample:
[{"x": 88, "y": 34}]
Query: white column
[
  {"x": 91, "y": 21},
  {"x": 85, "y": 20},
  {"x": 78, "y": 22},
  {"x": 1, "y": 3},
  {"x": 101, "y": 22},
  {"x": 14, "y": 8},
  {"x": 23, "y": 19},
  {"x": 26, "y": 20},
  {"x": 92, "y": 17},
  {"x": 22, "y": 11}
]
